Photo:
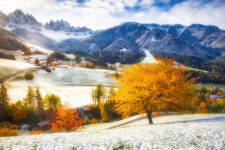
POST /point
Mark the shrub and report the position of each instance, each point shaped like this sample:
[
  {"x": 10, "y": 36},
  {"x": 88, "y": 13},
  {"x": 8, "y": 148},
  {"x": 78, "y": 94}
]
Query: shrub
[
  {"x": 89, "y": 65},
  {"x": 27, "y": 51},
  {"x": 78, "y": 58},
  {"x": 8, "y": 132},
  {"x": 94, "y": 121},
  {"x": 107, "y": 112},
  {"x": 34, "y": 132},
  {"x": 87, "y": 121},
  {"x": 116, "y": 74},
  {"x": 93, "y": 112},
  {"x": 47, "y": 69},
  {"x": 37, "y": 62},
  {"x": 9, "y": 126},
  {"x": 218, "y": 107},
  {"x": 67, "y": 119},
  {"x": 28, "y": 76}
]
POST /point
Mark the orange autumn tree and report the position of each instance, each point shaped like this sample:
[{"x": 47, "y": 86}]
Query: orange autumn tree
[
  {"x": 144, "y": 88},
  {"x": 67, "y": 119}
]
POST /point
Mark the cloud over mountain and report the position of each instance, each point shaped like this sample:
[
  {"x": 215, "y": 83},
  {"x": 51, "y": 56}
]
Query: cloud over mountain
[{"x": 101, "y": 14}]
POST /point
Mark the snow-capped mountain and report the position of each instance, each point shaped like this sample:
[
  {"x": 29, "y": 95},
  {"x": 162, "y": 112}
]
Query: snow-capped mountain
[
  {"x": 3, "y": 19},
  {"x": 124, "y": 43},
  {"x": 176, "y": 30},
  {"x": 64, "y": 26},
  {"x": 48, "y": 35},
  {"x": 18, "y": 19}
]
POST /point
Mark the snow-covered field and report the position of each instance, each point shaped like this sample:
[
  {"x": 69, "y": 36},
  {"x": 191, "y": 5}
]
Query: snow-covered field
[
  {"x": 71, "y": 84},
  {"x": 202, "y": 132},
  {"x": 68, "y": 76},
  {"x": 9, "y": 67}
]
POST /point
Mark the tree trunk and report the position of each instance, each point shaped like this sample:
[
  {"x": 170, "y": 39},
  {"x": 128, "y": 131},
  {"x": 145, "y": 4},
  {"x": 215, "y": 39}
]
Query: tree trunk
[{"x": 149, "y": 115}]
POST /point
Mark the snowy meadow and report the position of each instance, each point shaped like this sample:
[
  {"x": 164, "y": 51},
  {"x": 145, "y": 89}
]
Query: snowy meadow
[{"x": 171, "y": 132}]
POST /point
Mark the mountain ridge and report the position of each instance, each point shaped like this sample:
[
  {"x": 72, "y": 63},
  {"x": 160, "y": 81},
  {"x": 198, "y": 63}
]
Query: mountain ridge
[
  {"x": 126, "y": 42},
  {"x": 195, "y": 41}
]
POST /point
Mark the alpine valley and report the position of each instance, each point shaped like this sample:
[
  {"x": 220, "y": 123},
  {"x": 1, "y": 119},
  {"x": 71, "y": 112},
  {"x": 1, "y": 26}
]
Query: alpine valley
[{"x": 194, "y": 45}]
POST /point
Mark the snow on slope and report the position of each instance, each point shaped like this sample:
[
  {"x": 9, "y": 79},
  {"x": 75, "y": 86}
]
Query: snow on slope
[
  {"x": 149, "y": 58},
  {"x": 43, "y": 50},
  {"x": 9, "y": 67},
  {"x": 202, "y": 134}
]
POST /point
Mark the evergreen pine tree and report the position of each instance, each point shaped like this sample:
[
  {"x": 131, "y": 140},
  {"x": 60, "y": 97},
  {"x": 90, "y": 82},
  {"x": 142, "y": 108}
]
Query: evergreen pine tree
[
  {"x": 98, "y": 94},
  {"x": 39, "y": 102},
  {"x": 30, "y": 99},
  {"x": 4, "y": 101}
]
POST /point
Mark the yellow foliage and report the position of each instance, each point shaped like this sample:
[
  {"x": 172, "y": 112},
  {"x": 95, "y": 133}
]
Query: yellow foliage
[
  {"x": 66, "y": 119},
  {"x": 8, "y": 132},
  {"x": 144, "y": 88},
  {"x": 94, "y": 121},
  {"x": 34, "y": 132}
]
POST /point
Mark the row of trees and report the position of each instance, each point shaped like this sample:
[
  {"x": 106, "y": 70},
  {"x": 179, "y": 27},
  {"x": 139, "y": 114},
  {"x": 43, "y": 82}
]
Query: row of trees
[
  {"x": 35, "y": 109},
  {"x": 30, "y": 110},
  {"x": 91, "y": 62},
  {"x": 56, "y": 55}
]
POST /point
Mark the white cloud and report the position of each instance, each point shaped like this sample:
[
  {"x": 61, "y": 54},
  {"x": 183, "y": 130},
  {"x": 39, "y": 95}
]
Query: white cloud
[
  {"x": 146, "y": 3},
  {"x": 8, "y": 6},
  {"x": 100, "y": 14},
  {"x": 130, "y": 3}
]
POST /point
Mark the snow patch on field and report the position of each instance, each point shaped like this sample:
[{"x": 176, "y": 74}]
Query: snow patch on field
[
  {"x": 186, "y": 135},
  {"x": 9, "y": 67}
]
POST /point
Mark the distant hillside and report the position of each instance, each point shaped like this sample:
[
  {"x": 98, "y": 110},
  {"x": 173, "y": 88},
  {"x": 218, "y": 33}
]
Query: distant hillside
[
  {"x": 194, "y": 44},
  {"x": 9, "y": 41},
  {"x": 35, "y": 37}
]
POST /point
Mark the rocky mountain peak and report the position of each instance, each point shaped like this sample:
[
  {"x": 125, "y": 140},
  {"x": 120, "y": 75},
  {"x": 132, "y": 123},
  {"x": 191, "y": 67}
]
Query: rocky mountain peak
[
  {"x": 64, "y": 26},
  {"x": 19, "y": 19},
  {"x": 3, "y": 19}
]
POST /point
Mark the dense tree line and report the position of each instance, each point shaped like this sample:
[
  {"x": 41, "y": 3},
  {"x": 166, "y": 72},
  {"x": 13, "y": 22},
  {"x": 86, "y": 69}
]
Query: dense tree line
[
  {"x": 31, "y": 110},
  {"x": 57, "y": 55}
]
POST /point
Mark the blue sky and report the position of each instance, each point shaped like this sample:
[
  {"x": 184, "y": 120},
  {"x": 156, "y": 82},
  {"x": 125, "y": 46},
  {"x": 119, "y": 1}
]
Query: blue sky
[{"x": 101, "y": 14}]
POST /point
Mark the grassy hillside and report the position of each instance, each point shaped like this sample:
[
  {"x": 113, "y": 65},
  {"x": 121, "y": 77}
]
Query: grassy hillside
[
  {"x": 10, "y": 41},
  {"x": 172, "y": 132}
]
